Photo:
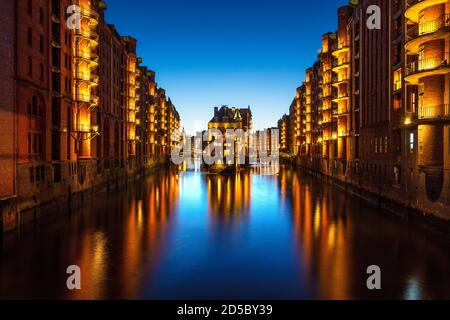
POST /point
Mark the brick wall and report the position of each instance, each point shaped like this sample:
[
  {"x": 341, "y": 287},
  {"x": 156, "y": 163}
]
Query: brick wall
[{"x": 7, "y": 101}]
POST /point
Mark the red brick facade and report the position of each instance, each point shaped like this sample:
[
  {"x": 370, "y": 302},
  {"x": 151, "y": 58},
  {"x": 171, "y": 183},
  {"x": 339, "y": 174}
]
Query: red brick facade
[
  {"x": 70, "y": 109},
  {"x": 387, "y": 129}
]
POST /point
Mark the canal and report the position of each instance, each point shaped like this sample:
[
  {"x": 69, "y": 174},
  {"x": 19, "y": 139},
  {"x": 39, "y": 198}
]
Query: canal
[{"x": 187, "y": 235}]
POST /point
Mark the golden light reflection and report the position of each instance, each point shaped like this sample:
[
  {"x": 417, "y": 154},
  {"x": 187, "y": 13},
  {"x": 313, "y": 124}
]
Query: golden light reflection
[
  {"x": 322, "y": 235},
  {"x": 229, "y": 196}
]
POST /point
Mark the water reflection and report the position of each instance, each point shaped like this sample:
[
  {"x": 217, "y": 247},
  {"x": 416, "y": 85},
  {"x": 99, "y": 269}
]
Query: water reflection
[
  {"x": 250, "y": 235},
  {"x": 338, "y": 237},
  {"x": 229, "y": 196},
  {"x": 323, "y": 234}
]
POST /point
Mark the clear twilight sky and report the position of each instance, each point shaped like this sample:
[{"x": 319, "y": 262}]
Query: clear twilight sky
[{"x": 236, "y": 52}]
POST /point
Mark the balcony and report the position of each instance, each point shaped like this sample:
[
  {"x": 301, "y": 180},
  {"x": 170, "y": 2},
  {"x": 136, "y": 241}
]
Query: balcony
[
  {"x": 343, "y": 133},
  {"x": 88, "y": 13},
  {"x": 95, "y": 101},
  {"x": 91, "y": 99},
  {"x": 56, "y": 44},
  {"x": 87, "y": 34},
  {"x": 438, "y": 112},
  {"x": 88, "y": 56},
  {"x": 343, "y": 111},
  {"x": 84, "y": 76},
  {"x": 85, "y": 98},
  {"x": 414, "y": 7},
  {"x": 340, "y": 64},
  {"x": 83, "y": 128},
  {"x": 55, "y": 18},
  {"x": 340, "y": 48},
  {"x": 427, "y": 67},
  {"x": 341, "y": 97},
  {"x": 427, "y": 31},
  {"x": 337, "y": 81},
  {"x": 326, "y": 82}
]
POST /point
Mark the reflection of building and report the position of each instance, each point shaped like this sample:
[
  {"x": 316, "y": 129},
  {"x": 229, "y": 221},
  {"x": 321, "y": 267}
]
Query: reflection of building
[
  {"x": 374, "y": 106},
  {"x": 146, "y": 219},
  {"x": 323, "y": 235},
  {"x": 79, "y": 110},
  {"x": 229, "y": 196}
]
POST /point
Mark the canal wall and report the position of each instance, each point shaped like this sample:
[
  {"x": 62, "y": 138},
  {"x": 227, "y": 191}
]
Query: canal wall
[
  {"x": 383, "y": 199},
  {"x": 17, "y": 211}
]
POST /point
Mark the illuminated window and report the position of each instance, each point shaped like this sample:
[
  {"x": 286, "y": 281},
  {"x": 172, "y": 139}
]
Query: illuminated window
[
  {"x": 411, "y": 142},
  {"x": 397, "y": 79},
  {"x": 413, "y": 102}
]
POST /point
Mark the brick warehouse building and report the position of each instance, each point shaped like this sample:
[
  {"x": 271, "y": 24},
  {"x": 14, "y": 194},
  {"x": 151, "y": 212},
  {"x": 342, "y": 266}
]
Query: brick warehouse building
[
  {"x": 382, "y": 124},
  {"x": 77, "y": 111}
]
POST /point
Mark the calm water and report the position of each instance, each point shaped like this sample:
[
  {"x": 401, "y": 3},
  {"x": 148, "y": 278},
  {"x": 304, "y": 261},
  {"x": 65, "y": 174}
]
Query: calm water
[{"x": 189, "y": 235}]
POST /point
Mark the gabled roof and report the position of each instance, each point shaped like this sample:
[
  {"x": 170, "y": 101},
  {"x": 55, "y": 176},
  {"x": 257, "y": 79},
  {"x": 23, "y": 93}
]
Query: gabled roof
[{"x": 227, "y": 114}]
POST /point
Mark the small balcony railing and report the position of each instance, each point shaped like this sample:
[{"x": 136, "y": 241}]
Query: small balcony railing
[
  {"x": 428, "y": 27},
  {"x": 340, "y": 46},
  {"x": 87, "y": 12},
  {"x": 84, "y": 76},
  {"x": 340, "y": 63},
  {"x": 343, "y": 133},
  {"x": 339, "y": 80},
  {"x": 87, "y": 98},
  {"x": 411, "y": 3},
  {"x": 86, "y": 33},
  {"x": 428, "y": 64},
  {"x": 434, "y": 112},
  {"x": 87, "y": 55},
  {"x": 342, "y": 96},
  {"x": 80, "y": 97}
]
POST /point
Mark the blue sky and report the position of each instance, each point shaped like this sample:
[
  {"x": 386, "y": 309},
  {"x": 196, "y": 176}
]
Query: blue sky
[{"x": 239, "y": 53}]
